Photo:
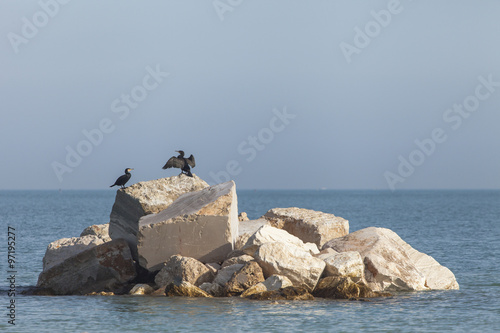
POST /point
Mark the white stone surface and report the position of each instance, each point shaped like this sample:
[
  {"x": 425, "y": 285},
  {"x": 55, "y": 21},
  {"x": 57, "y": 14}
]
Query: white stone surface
[
  {"x": 201, "y": 225},
  {"x": 309, "y": 225},
  {"x": 267, "y": 234},
  {"x": 349, "y": 264},
  {"x": 246, "y": 229},
  {"x": 65, "y": 248},
  {"x": 146, "y": 198},
  {"x": 100, "y": 268},
  {"x": 292, "y": 261},
  {"x": 393, "y": 265}
]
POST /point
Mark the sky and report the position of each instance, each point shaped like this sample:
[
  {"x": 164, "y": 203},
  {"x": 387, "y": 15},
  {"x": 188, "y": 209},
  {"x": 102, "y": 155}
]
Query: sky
[{"x": 282, "y": 94}]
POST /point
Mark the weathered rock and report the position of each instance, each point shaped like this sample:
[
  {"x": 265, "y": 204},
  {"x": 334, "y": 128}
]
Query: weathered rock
[
  {"x": 247, "y": 229},
  {"x": 246, "y": 277},
  {"x": 437, "y": 277},
  {"x": 267, "y": 234},
  {"x": 99, "y": 230},
  {"x": 289, "y": 260},
  {"x": 65, "y": 248},
  {"x": 276, "y": 282},
  {"x": 272, "y": 283},
  {"x": 259, "y": 288},
  {"x": 308, "y": 225},
  {"x": 183, "y": 269},
  {"x": 213, "y": 267},
  {"x": 225, "y": 274},
  {"x": 102, "y": 268},
  {"x": 312, "y": 248},
  {"x": 348, "y": 264},
  {"x": 325, "y": 253},
  {"x": 288, "y": 293},
  {"x": 185, "y": 289},
  {"x": 237, "y": 260},
  {"x": 202, "y": 225},
  {"x": 342, "y": 287},
  {"x": 390, "y": 263},
  {"x": 141, "y": 289},
  {"x": 218, "y": 287},
  {"x": 213, "y": 289},
  {"x": 243, "y": 217},
  {"x": 146, "y": 198}
]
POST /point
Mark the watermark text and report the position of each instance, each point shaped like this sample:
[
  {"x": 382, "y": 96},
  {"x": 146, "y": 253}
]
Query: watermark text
[{"x": 11, "y": 274}]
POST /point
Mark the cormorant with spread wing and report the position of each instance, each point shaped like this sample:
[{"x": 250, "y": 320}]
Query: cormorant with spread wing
[
  {"x": 123, "y": 179},
  {"x": 181, "y": 162}
]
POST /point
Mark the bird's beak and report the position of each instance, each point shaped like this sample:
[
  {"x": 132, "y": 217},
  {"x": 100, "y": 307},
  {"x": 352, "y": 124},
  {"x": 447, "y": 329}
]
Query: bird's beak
[{"x": 177, "y": 151}]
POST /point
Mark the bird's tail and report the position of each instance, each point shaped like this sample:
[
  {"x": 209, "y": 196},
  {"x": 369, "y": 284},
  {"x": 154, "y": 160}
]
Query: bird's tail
[{"x": 112, "y": 185}]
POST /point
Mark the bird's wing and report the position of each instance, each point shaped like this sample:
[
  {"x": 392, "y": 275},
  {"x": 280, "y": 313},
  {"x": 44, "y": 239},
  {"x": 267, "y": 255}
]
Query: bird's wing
[
  {"x": 174, "y": 162},
  {"x": 191, "y": 161},
  {"x": 121, "y": 180}
]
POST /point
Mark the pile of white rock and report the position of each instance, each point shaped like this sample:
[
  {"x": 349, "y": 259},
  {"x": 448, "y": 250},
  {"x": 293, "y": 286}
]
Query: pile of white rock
[{"x": 178, "y": 236}]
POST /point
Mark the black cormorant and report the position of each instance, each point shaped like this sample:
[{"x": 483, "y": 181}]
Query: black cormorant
[
  {"x": 123, "y": 179},
  {"x": 181, "y": 162}
]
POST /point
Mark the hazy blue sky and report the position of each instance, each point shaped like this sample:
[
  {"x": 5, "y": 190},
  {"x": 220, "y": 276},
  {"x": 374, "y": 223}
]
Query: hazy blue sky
[{"x": 276, "y": 94}]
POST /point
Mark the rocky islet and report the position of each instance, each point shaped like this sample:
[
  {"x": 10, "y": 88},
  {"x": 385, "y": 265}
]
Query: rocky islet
[{"x": 177, "y": 236}]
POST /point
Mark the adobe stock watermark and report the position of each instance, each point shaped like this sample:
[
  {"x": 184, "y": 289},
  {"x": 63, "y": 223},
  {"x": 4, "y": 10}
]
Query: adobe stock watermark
[
  {"x": 122, "y": 107},
  {"x": 454, "y": 117},
  {"x": 30, "y": 27},
  {"x": 253, "y": 144},
  {"x": 371, "y": 30},
  {"x": 223, "y": 6}
]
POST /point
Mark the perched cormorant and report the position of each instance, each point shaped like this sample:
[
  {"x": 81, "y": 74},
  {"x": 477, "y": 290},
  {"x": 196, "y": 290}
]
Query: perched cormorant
[
  {"x": 123, "y": 179},
  {"x": 181, "y": 162}
]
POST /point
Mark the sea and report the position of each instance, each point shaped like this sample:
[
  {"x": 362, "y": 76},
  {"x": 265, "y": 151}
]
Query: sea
[{"x": 460, "y": 229}]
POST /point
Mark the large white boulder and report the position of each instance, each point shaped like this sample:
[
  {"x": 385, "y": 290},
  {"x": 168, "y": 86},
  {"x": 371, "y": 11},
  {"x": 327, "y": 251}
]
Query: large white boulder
[
  {"x": 309, "y": 225},
  {"x": 246, "y": 229},
  {"x": 201, "y": 225},
  {"x": 292, "y": 261},
  {"x": 393, "y": 265},
  {"x": 65, "y": 248},
  {"x": 146, "y": 198},
  {"x": 267, "y": 234},
  {"x": 437, "y": 277},
  {"x": 106, "y": 267}
]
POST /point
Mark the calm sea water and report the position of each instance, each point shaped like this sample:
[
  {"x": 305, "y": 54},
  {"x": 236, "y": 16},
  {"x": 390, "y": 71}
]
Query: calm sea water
[{"x": 460, "y": 229}]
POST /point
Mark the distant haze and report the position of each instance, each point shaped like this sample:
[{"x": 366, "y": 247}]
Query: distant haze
[{"x": 281, "y": 94}]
